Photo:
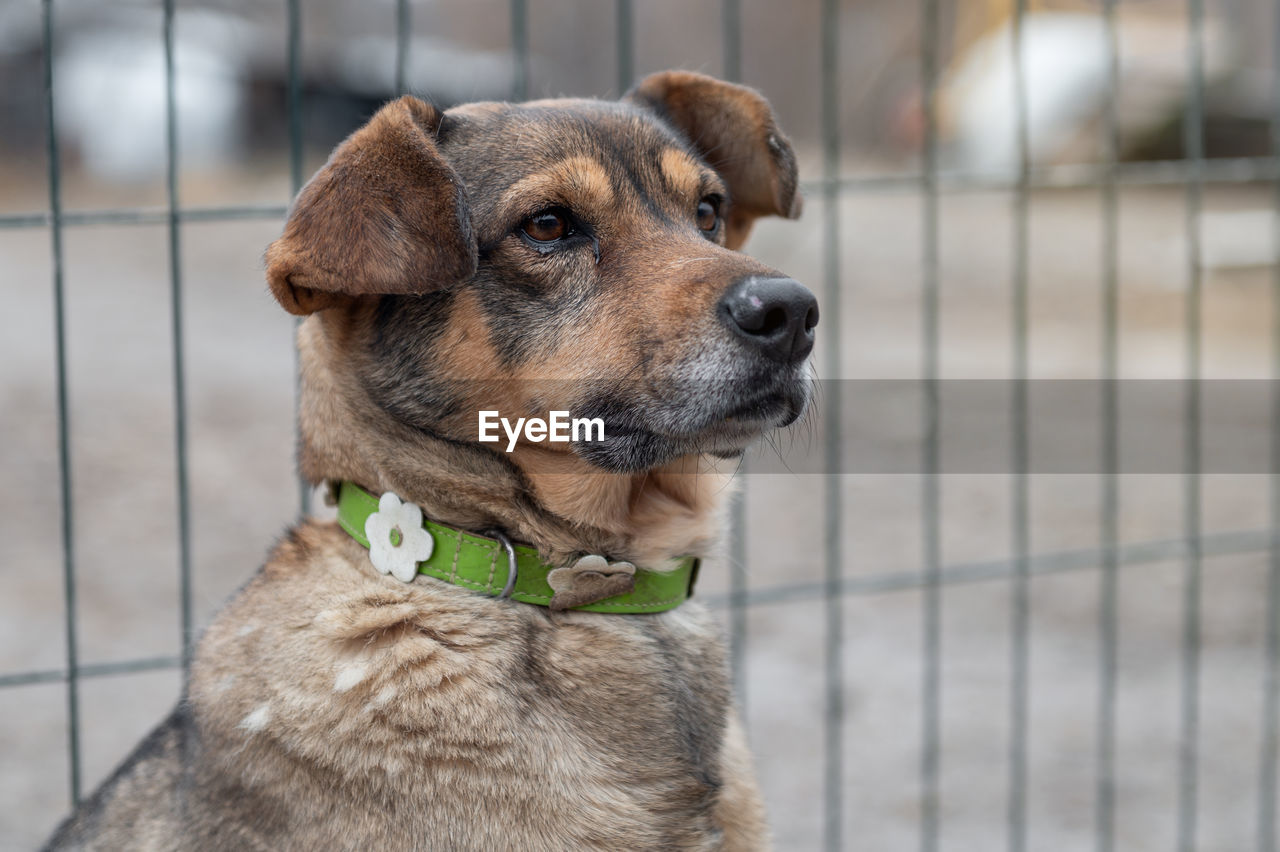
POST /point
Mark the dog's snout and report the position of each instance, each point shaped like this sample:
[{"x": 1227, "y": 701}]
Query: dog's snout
[{"x": 775, "y": 315}]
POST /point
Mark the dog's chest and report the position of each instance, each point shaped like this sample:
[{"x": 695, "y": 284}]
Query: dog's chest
[{"x": 423, "y": 708}]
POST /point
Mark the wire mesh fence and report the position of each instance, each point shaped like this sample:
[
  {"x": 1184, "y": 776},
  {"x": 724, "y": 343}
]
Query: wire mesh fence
[{"x": 1106, "y": 557}]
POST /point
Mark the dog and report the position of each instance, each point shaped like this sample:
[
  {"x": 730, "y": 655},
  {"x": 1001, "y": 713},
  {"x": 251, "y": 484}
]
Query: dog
[{"x": 490, "y": 648}]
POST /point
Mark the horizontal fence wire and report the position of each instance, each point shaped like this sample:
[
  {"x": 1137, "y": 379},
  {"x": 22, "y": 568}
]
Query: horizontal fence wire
[
  {"x": 147, "y": 216},
  {"x": 1094, "y": 176},
  {"x": 1212, "y": 545},
  {"x": 91, "y": 670}
]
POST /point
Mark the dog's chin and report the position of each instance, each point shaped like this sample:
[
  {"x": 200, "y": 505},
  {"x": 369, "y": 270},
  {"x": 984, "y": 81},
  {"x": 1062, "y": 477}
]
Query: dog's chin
[{"x": 637, "y": 446}]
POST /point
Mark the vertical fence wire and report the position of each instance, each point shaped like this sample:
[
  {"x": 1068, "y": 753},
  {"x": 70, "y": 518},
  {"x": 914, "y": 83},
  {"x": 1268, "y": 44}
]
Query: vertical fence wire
[
  {"x": 64, "y": 414},
  {"x": 404, "y": 27},
  {"x": 293, "y": 106},
  {"x": 520, "y": 50},
  {"x": 1020, "y": 605},
  {"x": 833, "y": 532},
  {"x": 1270, "y": 727},
  {"x": 293, "y": 91},
  {"x": 731, "y": 38},
  {"x": 626, "y": 44},
  {"x": 1193, "y": 140},
  {"x": 731, "y": 30},
  {"x": 293, "y": 96},
  {"x": 1108, "y": 621},
  {"x": 179, "y": 365},
  {"x": 931, "y": 671}
]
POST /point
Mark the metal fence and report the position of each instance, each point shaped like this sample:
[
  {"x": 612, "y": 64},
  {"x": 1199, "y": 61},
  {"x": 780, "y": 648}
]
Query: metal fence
[{"x": 1107, "y": 556}]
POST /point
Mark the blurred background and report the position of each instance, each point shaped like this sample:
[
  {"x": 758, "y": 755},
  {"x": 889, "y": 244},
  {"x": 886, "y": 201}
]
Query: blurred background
[{"x": 964, "y": 660}]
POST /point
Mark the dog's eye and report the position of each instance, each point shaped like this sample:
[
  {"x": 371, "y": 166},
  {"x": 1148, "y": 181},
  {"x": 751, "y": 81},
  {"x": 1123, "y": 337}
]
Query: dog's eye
[
  {"x": 709, "y": 213},
  {"x": 547, "y": 226}
]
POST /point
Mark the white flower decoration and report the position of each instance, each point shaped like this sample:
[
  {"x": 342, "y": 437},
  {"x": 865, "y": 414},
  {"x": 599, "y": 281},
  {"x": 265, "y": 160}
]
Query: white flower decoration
[{"x": 397, "y": 540}]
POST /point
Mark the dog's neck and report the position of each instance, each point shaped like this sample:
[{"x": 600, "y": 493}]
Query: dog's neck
[
  {"x": 565, "y": 509},
  {"x": 673, "y": 510}
]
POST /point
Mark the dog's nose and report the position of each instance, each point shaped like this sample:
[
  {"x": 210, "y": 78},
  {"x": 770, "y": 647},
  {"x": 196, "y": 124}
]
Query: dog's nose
[{"x": 775, "y": 315}]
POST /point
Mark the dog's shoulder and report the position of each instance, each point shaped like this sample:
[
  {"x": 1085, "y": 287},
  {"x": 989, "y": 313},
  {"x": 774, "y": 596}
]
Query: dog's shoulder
[{"x": 431, "y": 691}]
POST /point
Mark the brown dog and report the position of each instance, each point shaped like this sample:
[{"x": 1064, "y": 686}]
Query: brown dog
[{"x": 558, "y": 255}]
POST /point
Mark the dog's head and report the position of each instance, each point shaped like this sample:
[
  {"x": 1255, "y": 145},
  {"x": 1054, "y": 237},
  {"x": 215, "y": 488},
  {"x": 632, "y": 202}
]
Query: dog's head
[{"x": 568, "y": 255}]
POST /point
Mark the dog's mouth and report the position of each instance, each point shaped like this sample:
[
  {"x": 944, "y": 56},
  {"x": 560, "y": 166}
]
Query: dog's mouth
[{"x": 722, "y": 420}]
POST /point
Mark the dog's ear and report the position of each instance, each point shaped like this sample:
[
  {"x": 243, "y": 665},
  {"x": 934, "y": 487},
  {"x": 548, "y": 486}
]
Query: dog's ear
[
  {"x": 734, "y": 130},
  {"x": 386, "y": 214}
]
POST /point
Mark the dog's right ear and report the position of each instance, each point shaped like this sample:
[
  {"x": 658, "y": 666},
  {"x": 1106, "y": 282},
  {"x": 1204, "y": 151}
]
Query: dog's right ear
[
  {"x": 734, "y": 129},
  {"x": 385, "y": 215}
]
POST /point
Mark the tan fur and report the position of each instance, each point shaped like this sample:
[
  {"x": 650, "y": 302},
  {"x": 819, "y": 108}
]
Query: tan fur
[
  {"x": 575, "y": 181},
  {"x": 369, "y": 714},
  {"x": 682, "y": 172},
  {"x": 333, "y": 707},
  {"x": 425, "y": 694},
  {"x": 390, "y": 157},
  {"x": 714, "y": 115}
]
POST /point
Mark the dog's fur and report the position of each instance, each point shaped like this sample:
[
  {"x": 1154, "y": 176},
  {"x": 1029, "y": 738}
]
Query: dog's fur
[{"x": 331, "y": 707}]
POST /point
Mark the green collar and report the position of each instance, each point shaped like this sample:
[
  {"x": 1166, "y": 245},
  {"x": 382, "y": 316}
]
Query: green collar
[{"x": 482, "y": 565}]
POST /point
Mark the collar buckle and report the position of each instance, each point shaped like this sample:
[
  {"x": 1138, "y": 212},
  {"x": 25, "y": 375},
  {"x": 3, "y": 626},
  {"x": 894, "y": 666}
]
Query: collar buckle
[{"x": 512, "y": 569}]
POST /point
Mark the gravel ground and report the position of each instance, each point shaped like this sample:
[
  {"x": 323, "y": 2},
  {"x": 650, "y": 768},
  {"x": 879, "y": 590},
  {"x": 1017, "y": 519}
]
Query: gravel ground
[{"x": 243, "y": 495}]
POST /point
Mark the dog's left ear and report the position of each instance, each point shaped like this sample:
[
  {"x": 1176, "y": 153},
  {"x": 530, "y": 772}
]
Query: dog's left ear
[
  {"x": 734, "y": 130},
  {"x": 387, "y": 214}
]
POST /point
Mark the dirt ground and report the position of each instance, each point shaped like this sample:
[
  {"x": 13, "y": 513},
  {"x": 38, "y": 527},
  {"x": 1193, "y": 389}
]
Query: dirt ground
[{"x": 239, "y": 370}]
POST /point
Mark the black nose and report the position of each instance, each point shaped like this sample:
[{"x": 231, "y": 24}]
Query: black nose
[{"x": 775, "y": 315}]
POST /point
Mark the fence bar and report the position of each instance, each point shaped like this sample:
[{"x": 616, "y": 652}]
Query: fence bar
[
  {"x": 64, "y": 413},
  {"x": 1238, "y": 543},
  {"x": 731, "y": 38},
  {"x": 1020, "y": 604},
  {"x": 90, "y": 670},
  {"x": 964, "y": 573},
  {"x": 833, "y": 526},
  {"x": 1108, "y": 618},
  {"x": 731, "y": 27},
  {"x": 931, "y": 516},
  {"x": 403, "y": 29},
  {"x": 626, "y": 44},
  {"x": 1270, "y": 739},
  {"x": 179, "y": 370},
  {"x": 1093, "y": 176},
  {"x": 738, "y": 591},
  {"x": 1193, "y": 136},
  {"x": 293, "y": 49},
  {"x": 520, "y": 49},
  {"x": 146, "y": 216},
  {"x": 1154, "y": 173}
]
